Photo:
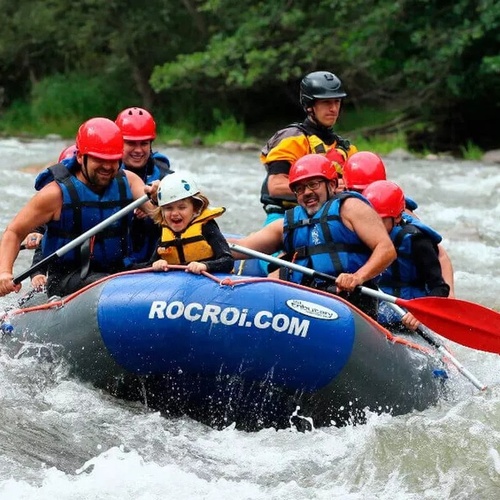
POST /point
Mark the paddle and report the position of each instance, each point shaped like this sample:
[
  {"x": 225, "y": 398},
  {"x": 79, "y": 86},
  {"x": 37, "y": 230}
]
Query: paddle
[
  {"x": 80, "y": 239},
  {"x": 466, "y": 323},
  {"x": 429, "y": 337}
]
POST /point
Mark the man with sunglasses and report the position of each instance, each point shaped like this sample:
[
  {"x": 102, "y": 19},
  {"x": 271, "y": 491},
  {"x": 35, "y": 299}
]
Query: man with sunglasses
[{"x": 339, "y": 235}]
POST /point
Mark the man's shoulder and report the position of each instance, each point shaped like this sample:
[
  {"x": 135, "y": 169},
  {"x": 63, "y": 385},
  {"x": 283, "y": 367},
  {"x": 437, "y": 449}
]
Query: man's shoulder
[
  {"x": 352, "y": 204},
  {"x": 352, "y": 197},
  {"x": 129, "y": 174},
  {"x": 291, "y": 130},
  {"x": 50, "y": 197},
  {"x": 50, "y": 189},
  {"x": 286, "y": 144}
]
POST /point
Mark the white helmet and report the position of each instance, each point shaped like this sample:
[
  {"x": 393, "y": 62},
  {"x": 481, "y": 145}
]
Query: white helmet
[{"x": 176, "y": 186}]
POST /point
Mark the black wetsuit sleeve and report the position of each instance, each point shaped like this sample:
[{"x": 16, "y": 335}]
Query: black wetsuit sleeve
[
  {"x": 425, "y": 254},
  {"x": 278, "y": 167},
  {"x": 223, "y": 260}
]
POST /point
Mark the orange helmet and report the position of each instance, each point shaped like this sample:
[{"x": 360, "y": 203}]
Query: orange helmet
[
  {"x": 67, "y": 153},
  {"x": 136, "y": 124},
  {"x": 363, "y": 168},
  {"x": 386, "y": 197},
  {"x": 101, "y": 138},
  {"x": 312, "y": 165}
]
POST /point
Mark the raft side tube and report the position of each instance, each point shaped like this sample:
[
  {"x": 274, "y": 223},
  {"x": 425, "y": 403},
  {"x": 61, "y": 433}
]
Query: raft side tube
[{"x": 156, "y": 323}]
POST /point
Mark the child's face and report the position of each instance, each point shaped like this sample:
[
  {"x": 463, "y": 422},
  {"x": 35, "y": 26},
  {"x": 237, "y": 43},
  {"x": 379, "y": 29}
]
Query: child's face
[{"x": 179, "y": 214}]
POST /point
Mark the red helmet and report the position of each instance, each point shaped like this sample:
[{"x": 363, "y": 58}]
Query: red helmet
[
  {"x": 101, "y": 138},
  {"x": 312, "y": 165},
  {"x": 67, "y": 153},
  {"x": 363, "y": 168},
  {"x": 386, "y": 197},
  {"x": 136, "y": 124}
]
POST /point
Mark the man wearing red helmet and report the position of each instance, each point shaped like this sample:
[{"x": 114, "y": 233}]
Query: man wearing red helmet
[
  {"x": 139, "y": 131},
  {"x": 340, "y": 235},
  {"x": 321, "y": 95},
  {"x": 33, "y": 240},
  {"x": 72, "y": 199},
  {"x": 361, "y": 170},
  {"x": 416, "y": 272}
]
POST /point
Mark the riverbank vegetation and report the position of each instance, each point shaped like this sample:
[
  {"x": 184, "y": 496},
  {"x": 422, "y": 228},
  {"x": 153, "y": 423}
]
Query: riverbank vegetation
[{"x": 421, "y": 75}]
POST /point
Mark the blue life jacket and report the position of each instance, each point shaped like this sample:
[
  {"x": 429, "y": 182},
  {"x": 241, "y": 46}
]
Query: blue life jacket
[
  {"x": 161, "y": 167},
  {"x": 410, "y": 203},
  {"x": 427, "y": 230},
  {"x": 83, "y": 209},
  {"x": 323, "y": 242},
  {"x": 144, "y": 232},
  {"x": 47, "y": 174},
  {"x": 401, "y": 278}
]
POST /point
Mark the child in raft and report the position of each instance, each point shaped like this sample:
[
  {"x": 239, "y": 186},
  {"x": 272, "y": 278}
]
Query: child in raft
[{"x": 190, "y": 236}]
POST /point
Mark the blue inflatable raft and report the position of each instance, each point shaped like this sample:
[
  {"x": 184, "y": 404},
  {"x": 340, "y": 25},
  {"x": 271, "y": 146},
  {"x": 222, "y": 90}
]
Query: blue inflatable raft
[{"x": 232, "y": 349}]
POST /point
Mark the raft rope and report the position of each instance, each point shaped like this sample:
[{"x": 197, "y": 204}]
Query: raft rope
[{"x": 233, "y": 283}]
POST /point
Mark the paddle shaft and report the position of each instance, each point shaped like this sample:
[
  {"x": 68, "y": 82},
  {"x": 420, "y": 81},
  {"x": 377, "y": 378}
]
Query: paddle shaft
[
  {"x": 82, "y": 238},
  {"x": 308, "y": 271}
]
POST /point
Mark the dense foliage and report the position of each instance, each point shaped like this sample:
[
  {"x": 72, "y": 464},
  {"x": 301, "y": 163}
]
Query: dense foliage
[{"x": 434, "y": 65}]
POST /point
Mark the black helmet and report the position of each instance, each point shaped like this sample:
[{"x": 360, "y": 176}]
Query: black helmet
[{"x": 320, "y": 85}]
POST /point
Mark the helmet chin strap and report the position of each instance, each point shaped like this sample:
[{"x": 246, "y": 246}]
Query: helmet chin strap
[{"x": 85, "y": 171}]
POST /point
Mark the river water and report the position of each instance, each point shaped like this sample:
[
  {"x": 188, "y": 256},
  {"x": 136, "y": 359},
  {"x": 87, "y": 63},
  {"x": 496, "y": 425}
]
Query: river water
[{"x": 63, "y": 439}]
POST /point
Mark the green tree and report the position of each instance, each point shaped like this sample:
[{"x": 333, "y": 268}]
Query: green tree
[
  {"x": 431, "y": 59},
  {"x": 40, "y": 39},
  {"x": 433, "y": 64}
]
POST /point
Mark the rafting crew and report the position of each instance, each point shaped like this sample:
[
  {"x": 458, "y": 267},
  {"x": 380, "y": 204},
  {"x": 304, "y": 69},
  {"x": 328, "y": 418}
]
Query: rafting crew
[
  {"x": 139, "y": 131},
  {"x": 71, "y": 200},
  {"x": 336, "y": 234},
  {"x": 416, "y": 272},
  {"x": 190, "y": 234},
  {"x": 356, "y": 255}
]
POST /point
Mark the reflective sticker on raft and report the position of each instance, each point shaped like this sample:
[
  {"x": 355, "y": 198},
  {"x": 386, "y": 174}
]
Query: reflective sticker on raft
[
  {"x": 229, "y": 316},
  {"x": 311, "y": 309}
]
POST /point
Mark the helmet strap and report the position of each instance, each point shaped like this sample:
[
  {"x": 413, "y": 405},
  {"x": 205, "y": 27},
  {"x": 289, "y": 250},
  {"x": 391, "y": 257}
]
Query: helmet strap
[{"x": 85, "y": 170}]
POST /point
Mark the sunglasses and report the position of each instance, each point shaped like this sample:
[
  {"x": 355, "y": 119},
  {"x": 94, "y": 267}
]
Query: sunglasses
[{"x": 301, "y": 188}]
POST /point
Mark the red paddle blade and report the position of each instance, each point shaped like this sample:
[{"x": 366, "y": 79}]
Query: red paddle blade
[{"x": 463, "y": 322}]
